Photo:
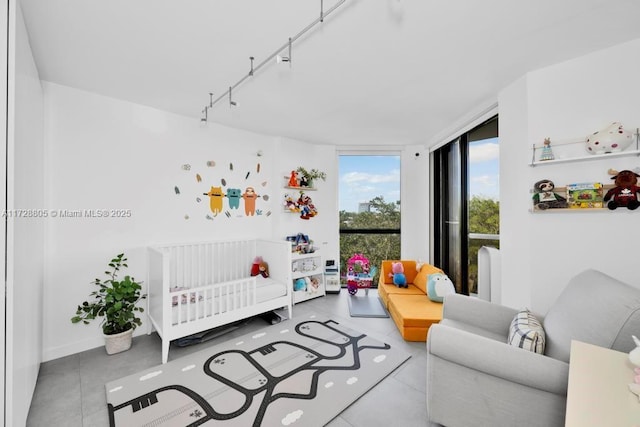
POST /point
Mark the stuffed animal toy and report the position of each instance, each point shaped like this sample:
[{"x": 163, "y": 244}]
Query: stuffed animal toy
[
  {"x": 260, "y": 267},
  {"x": 625, "y": 193},
  {"x": 438, "y": 286},
  {"x": 397, "y": 272},
  {"x": 263, "y": 267},
  {"x": 300, "y": 285},
  {"x": 255, "y": 267},
  {"x": 544, "y": 197}
]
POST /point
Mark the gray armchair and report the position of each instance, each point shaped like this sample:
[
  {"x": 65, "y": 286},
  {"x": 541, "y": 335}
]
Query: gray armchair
[{"x": 474, "y": 378}]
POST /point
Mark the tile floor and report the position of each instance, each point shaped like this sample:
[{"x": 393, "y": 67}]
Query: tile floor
[{"x": 70, "y": 390}]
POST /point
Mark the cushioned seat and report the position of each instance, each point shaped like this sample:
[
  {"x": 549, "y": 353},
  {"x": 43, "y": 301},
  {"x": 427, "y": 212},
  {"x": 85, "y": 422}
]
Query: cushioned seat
[
  {"x": 414, "y": 314},
  {"x": 411, "y": 309}
]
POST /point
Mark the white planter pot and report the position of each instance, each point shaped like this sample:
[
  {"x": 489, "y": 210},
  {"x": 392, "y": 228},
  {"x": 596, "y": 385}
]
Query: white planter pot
[{"x": 118, "y": 343}]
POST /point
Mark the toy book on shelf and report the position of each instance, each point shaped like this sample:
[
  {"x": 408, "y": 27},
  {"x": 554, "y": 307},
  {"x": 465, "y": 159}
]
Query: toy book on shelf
[{"x": 585, "y": 195}]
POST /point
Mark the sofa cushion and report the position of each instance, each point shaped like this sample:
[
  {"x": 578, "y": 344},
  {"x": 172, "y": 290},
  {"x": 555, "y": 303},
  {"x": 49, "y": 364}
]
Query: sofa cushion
[
  {"x": 526, "y": 332},
  {"x": 415, "y": 310},
  {"x": 410, "y": 271},
  {"x": 384, "y": 291},
  {"x": 423, "y": 276}
]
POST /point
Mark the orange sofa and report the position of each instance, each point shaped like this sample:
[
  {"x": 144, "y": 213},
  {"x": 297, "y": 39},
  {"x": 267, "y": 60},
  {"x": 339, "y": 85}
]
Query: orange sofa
[{"x": 410, "y": 308}]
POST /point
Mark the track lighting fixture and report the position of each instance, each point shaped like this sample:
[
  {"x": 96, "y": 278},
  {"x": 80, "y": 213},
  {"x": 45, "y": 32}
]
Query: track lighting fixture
[
  {"x": 232, "y": 103},
  {"x": 203, "y": 120},
  {"x": 279, "y": 58}
]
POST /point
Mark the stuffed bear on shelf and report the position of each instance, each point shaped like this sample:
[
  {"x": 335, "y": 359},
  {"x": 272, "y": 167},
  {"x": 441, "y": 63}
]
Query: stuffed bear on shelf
[{"x": 626, "y": 191}]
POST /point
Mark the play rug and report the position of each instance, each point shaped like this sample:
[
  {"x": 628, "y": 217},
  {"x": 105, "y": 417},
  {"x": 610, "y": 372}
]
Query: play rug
[
  {"x": 296, "y": 373},
  {"x": 366, "y": 306}
]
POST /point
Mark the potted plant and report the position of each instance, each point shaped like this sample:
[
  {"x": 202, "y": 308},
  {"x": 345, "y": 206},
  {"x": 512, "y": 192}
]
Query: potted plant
[
  {"x": 307, "y": 176},
  {"x": 114, "y": 300}
]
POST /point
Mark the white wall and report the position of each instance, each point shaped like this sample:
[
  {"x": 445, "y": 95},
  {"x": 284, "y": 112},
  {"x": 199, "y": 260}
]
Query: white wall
[
  {"x": 542, "y": 251},
  {"x": 414, "y": 196},
  {"x": 25, "y": 236}
]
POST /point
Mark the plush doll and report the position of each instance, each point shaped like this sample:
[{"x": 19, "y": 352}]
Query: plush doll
[
  {"x": 625, "y": 193},
  {"x": 439, "y": 285},
  {"x": 259, "y": 267},
  {"x": 300, "y": 285},
  {"x": 263, "y": 267},
  {"x": 397, "y": 272},
  {"x": 544, "y": 197}
]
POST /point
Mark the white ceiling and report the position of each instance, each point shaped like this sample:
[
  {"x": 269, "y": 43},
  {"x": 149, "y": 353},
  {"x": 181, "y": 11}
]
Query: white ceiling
[{"x": 376, "y": 72}]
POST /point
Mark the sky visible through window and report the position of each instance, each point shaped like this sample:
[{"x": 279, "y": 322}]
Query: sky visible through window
[
  {"x": 364, "y": 177},
  {"x": 484, "y": 168}
]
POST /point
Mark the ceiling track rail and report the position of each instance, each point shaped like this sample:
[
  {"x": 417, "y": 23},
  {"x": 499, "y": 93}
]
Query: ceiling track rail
[{"x": 254, "y": 68}]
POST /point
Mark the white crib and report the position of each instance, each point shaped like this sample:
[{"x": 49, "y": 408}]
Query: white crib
[{"x": 193, "y": 287}]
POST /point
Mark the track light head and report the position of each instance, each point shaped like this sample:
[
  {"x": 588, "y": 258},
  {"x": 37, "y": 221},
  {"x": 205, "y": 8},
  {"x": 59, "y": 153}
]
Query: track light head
[
  {"x": 280, "y": 58},
  {"x": 232, "y": 103},
  {"x": 203, "y": 119}
]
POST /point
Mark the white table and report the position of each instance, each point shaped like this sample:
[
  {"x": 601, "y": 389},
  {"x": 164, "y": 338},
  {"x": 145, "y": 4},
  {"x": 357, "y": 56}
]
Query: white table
[{"x": 598, "y": 392}]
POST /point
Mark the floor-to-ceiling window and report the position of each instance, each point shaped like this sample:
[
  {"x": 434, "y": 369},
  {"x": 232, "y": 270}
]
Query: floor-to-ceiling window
[
  {"x": 466, "y": 207},
  {"x": 369, "y": 204}
]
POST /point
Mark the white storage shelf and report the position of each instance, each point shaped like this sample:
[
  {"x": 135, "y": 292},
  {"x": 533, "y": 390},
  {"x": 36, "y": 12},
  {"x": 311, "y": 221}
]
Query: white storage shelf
[
  {"x": 574, "y": 151},
  {"x": 309, "y": 268}
]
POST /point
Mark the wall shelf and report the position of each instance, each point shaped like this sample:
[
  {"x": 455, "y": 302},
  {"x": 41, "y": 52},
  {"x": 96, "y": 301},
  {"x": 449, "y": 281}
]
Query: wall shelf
[
  {"x": 301, "y": 188},
  {"x": 579, "y": 154},
  {"x": 584, "y": 158}
]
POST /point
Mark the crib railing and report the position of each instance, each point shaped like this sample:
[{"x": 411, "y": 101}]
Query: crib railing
[{"x": 204, "y": 301}]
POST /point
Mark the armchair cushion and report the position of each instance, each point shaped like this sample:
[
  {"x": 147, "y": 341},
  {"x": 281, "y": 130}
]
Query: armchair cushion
[
  {"x": 526, "y": 332},
  {"x": 497, "y": 359}
]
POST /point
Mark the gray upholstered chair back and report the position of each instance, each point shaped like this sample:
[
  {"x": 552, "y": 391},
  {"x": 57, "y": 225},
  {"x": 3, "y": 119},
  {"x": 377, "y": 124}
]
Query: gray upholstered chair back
[{"x": 593, "y": 308}]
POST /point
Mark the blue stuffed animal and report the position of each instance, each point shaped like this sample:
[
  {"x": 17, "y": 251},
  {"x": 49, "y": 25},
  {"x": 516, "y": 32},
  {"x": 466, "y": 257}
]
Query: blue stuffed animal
[
  {"x": 397, "y": 271},
  {"x": 300, "y": 285}
]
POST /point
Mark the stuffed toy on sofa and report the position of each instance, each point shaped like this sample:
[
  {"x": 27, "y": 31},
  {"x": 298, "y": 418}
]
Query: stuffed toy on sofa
[
  {"x": 397, "y": 272},
  {"x": 438, "y": 286}
]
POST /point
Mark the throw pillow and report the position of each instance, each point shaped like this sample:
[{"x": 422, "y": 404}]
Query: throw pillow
[{"x": 526, "y": 332}]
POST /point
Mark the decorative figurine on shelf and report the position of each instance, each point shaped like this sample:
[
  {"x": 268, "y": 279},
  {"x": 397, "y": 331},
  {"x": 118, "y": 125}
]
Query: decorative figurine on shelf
[
  {"x": 306, "y": 206},
  {"x": 547, "y": 153},
  {"x": 625, "y": 193},
  {"x": 612, "y": 139},
  {"x": 293, "y": 179},
  {"x": 546, "y": 198}
]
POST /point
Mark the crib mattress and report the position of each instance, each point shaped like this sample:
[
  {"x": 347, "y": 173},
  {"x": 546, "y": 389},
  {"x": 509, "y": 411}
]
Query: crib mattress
[{"x": 221, "y": 302}]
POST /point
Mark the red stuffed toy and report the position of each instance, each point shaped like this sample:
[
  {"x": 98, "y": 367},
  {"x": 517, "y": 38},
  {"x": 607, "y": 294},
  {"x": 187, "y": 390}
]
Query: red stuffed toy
[
  {"x": 625, "y": 193},
  {"x": 259, "y": 267}
]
